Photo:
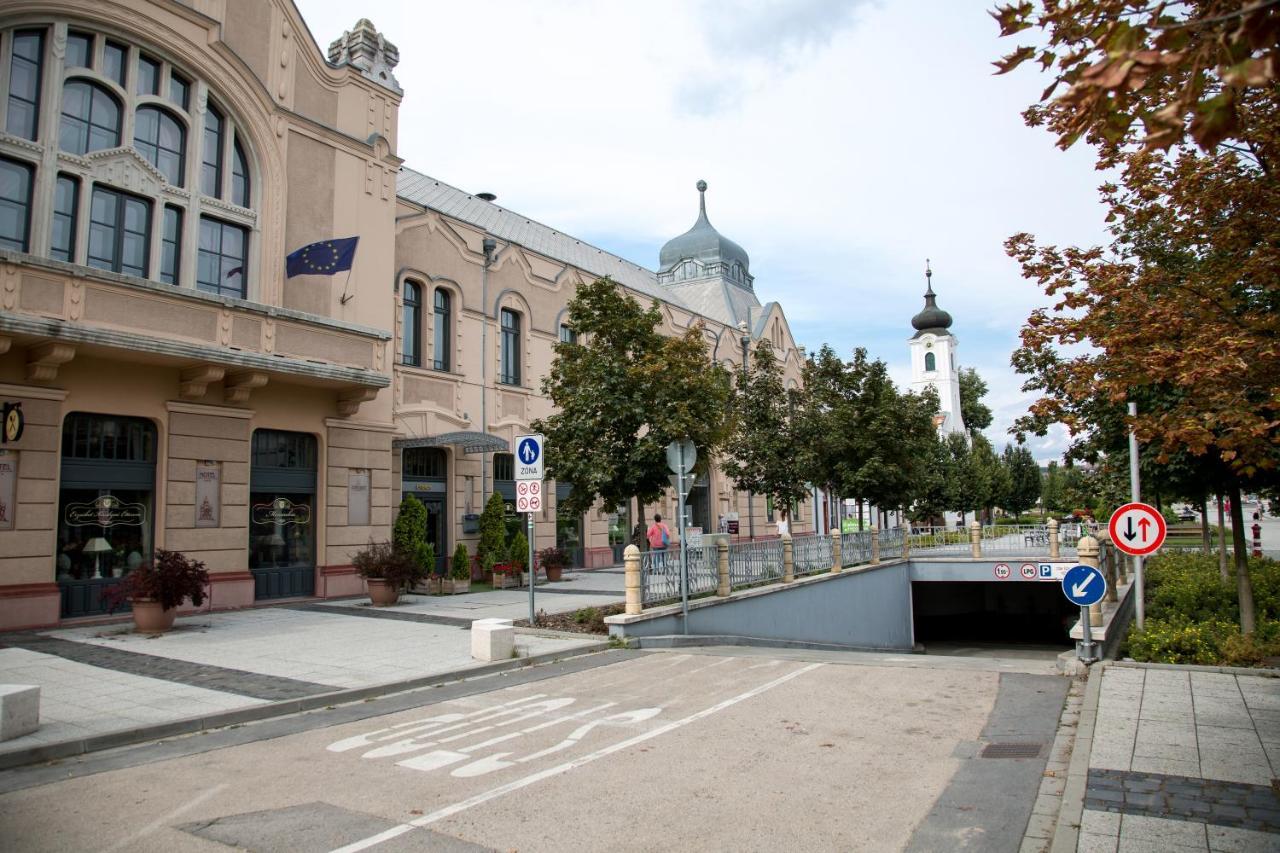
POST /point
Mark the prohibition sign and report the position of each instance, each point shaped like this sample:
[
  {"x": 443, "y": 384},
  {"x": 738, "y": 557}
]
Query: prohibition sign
[
  {"x": 1028, "y": 571},
  {"x": 1002, "y": 571}
]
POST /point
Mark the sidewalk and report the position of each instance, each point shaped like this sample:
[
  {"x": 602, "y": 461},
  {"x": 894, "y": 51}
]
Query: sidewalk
[
  {"x": 105, "y": 679},
  {"x": 1179, "y": 759}
]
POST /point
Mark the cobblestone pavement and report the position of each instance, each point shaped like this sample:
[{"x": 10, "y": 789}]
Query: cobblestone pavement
[{"x": 1184, "y": 759}]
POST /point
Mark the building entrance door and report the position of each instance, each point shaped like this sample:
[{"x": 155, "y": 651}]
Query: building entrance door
[
  {"x": 282, "y": 514},
  {"x": 425, "y": 477},
  {"x": 436, "y": 530}
]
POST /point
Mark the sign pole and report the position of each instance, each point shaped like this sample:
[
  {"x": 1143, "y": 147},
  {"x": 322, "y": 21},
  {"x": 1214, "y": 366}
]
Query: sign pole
[
  {"x": 532, "y": 578},
  {"x": 684, "y": 556},
  {"x": 1135, "y": 495},
  {"x": 1086, "y": 652}
]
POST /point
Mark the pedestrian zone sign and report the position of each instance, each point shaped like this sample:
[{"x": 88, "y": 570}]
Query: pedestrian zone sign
[
  {"x": 528, "y": 496},
  {"x": 529, "y": 457},
  {"x": 1137, "y": 529}
]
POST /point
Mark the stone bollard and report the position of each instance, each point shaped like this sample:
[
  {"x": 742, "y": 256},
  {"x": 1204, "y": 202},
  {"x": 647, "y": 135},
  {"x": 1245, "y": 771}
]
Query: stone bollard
[
  {"x": 875, "y": 545},
  {"x": 837, "y": 550},
  {"x": 975, "y": 538},
  {"x": 1087, "y": 555},
  {"x": 492, "y": 639},
  {"x": 1054, "y": 545},
  {"x": 788, "y": 559},
  {"x": 631, "y": 562},
  {"x": 722, "y": 567},
  {"x": 19, "y": 710}
]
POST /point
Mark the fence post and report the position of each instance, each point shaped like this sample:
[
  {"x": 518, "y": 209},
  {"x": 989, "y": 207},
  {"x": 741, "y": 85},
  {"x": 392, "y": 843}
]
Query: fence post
[
  {"x": 722, "y": 564},
  {"x": 875, "y": 545},
  {"x": 1087, "y": 554},
  {"x": 788, "y": 559},
  {"x": 1108, "y": 555},
  {"x": 631, "y": 563},
  {"x": 975, "y": 538},
  {"x": 1054, "y": 551},
  {"x": 906, "y": 541}
]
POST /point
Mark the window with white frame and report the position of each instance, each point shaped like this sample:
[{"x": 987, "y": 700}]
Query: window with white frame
[
  {"x": 108, "y": 94},
  {"x": 509, "y": 371}
]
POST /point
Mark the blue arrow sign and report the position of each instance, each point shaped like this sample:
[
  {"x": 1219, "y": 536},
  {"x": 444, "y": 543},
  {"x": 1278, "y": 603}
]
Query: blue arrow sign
[{"x": 1084, "y": 585}]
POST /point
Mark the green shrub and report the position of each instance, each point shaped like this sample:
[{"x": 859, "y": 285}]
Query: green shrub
[
  {"x": 518, "y": 553},
  {"x": 460, "y": 566},
  {"x": 493, "y": 533},
  {"x": 409, "y": 534}
]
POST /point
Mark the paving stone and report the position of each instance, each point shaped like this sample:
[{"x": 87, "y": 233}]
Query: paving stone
[
  {"x": 1171, "y": 767},
  {"x": 1169, "y": 833},
  {"x": 1090, "y": 843},
  {"x": 1100, "y": 822},
  {"x": 1228, "y": 839}
]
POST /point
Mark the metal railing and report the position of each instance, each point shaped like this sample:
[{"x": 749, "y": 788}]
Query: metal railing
[
  {"x": 811, "y": 554},
  {"x": 891, "y": 543},
  {"x": 855, "y": 548},
  {"x": 752, "y": 563},
  {"x": 660, "y": 573},
  {"x": 938, "y": 540}
]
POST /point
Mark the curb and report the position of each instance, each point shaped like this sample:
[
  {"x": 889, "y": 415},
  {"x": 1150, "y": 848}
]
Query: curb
[
  {"x": 255, "y": 713},
  {"x": 1260, "y": 671},
  {"x": 681, "y": 641},
  {"x": 1066, "y": 835}
]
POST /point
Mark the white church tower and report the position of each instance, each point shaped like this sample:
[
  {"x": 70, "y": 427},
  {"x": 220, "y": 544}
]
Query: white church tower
[{"x": 933, "y": 359}]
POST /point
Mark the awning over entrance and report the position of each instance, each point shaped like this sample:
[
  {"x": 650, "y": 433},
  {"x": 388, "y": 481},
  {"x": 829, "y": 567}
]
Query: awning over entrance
[{"x": 470, "y": 442}]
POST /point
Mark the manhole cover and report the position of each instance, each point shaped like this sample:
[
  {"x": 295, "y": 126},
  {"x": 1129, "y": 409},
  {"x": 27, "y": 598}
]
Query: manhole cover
[{"x": 1011, "y": 750}]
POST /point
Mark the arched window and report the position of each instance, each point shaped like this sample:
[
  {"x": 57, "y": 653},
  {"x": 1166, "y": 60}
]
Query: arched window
[
  {"x": 239, "y": 176},
  {"x": 442, "y": 330},
  {"x": 90, "y": 118},
  {"x": 930, "y": 363},
  {"x": 162, "y": 140},
  {"x": 510, "y": 368},
  {"x": 211, "y": 162},
  {"x": 412, "y": 350}
]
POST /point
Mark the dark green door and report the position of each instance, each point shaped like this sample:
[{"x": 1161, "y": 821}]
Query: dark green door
[{"x": 282, "y": 514}]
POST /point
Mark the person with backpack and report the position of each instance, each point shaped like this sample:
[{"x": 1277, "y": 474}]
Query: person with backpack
[{"x": 659, "y": 534}]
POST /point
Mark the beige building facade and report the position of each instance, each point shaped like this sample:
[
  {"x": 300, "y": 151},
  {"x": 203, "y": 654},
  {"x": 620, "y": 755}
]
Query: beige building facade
[{"x": 167, "y": 385}]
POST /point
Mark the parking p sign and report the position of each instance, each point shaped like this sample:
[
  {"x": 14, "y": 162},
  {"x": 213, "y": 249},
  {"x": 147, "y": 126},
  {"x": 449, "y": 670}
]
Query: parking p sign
[{"x": 529, "y": 457}]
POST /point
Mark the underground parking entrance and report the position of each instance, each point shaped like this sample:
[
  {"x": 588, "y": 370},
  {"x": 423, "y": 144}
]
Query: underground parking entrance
[{"x": 966, "y": 617}]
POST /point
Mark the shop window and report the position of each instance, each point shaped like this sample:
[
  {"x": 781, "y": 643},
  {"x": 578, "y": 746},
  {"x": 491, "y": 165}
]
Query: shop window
[
  {"x": 282, "y": 513},
  {"x": 441, "y": 330},
  {"x": 115, "y": 59},
  {"x": 90, "y": 118},
  {"x": 411, "y": 348},
  {"x": 220, "y": 266},
  {"x": 15, "y": 204},
  {"x": 119, "y": 232},
  {"x": 510, "y": 367},
  {"x": 162, "y": 140},
  {"x": 211, "y": 158},
  {"x": 171, "y": 245},
  {"x": 23, "y": 117},
  {"x": 66, "y": 199}
]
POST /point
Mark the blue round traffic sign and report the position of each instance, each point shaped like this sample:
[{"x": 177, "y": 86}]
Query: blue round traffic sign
[
  {"x": 1084, "y": 585},
  {"x": 529, "y": 451}
]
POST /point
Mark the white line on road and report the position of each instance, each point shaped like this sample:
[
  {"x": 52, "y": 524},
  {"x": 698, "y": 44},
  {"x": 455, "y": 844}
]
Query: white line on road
[
  {"x": 128, "y": 840},
  {"x": 494, "y": 793}
]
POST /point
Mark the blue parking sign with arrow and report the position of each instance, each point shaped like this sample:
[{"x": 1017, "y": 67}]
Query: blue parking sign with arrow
[{"x": 1084, "y": 585}]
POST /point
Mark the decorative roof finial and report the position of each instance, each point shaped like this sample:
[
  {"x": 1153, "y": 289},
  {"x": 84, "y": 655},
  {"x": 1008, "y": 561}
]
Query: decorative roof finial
[
  {"x": 928, "y": 277},
  {"x": 702, "y": 199}
]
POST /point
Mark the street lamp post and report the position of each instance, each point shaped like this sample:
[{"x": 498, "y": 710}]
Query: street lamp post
[{"x": 745, "y": 340}]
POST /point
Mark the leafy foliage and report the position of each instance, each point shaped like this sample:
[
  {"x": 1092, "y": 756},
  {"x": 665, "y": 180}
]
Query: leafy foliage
[
  {"x": 493, "y": 533},
  {"x": 975, "y": 414},
  {"x": 409, "y": 533},
  {"x": 460, "y": 565},
  {"x": 384, "y": 561},
  {"x": 622, "y": 393},
  {"x": 169, "y": 578},
  {"x": 518, "y": 553},
  {"x": 1024, "y": 479}
]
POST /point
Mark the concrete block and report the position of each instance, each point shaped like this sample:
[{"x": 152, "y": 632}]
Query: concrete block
[
  {"x": 19, "y": 710},
  {"x": 492, "y": 639}
]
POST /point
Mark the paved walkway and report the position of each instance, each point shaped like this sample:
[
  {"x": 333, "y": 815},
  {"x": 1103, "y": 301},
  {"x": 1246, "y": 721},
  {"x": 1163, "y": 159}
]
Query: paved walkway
[
  {"x": 106, "y": 679},
  {"x": 1183, "y": 759}
]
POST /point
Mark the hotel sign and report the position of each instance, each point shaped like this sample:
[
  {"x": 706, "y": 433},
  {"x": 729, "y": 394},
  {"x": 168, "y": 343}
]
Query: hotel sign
[
  {"x": 106, "y": 511},
  {"x": 208, "y": 495},
  {"x": 281, "y": 511}
]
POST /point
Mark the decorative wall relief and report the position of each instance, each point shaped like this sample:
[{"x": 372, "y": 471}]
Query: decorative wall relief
[{"x": 208, "y": 494}]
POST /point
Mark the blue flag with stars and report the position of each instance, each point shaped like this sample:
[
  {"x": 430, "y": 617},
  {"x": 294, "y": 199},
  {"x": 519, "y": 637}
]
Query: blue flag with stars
[{"x": 324, "y": 258}]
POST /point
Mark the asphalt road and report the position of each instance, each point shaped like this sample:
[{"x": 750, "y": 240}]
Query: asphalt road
[{"x": 644, "y": 751}]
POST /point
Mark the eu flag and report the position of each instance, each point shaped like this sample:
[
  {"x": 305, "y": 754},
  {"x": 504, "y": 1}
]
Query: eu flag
[{"x": 324, "y": 258}]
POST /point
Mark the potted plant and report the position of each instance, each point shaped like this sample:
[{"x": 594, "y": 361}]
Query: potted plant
[
  {"x": 505, "y": 575},
  {"x": 518, "y": 555},
  {"x": 492, "y": 549},
  {"x": 553, "y": 560},
  {"x": 387, "y": 570},
  {"x": 157, "y": 588},
  {"x": 409, "y": 535},
  {"x": 459, "y": 580}
]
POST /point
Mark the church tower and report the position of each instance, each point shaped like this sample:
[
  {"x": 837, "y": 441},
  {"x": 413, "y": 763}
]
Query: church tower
[{"x": 933, "y": 359}]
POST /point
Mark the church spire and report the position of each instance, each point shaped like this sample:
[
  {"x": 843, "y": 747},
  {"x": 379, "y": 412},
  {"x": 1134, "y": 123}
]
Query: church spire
[{"x": 932, "y": 318}]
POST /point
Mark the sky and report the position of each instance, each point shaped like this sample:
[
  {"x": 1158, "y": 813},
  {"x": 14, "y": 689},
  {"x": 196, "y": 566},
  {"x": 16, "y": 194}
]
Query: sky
[{"x": 843, "y": 142}]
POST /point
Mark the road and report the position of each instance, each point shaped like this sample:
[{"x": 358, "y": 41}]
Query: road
[{"x": 714, "y": 750}]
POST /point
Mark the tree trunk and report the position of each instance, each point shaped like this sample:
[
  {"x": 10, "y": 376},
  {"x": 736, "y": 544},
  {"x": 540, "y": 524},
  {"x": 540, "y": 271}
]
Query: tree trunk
[
  {"x": 1244, "y": 586},
  {"x": 1222, "y": 541},
  {"x": 859, "y": 515},
  {"x": 1204, "y": 524}
]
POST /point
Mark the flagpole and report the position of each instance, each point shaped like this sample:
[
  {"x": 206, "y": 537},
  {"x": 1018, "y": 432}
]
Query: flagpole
[{"x": 342, "y": 300}]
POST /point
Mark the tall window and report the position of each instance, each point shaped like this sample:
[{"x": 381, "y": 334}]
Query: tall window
[
  {"x": 162, "y": 140},
  {"x": 66, "y": 198},
  {"x": 90, "y": 118},
  {"x": 171, "y": 245},
  {"x": 15, "y": 204},
  {"x": 211, "y": 162},
  {"x": 119, "y": 232},
  {"x": 148, "y": 82},
  {"x": 239, "y": 176},
  {"x": 441, "y": 330},
  {"x": 567, "y": 334},
  {"x": 24, "y": 83},
  {"x": 412, "y": 351},
  {"x": 930, "y": 362},
  {"x": 79, "y": 50},
  {"x": 222, "y": 255},
  {"x": 179, "y": 89},
  {"x": 504, "y": 466},
  {"x": 510, "y": 374},
  {"x": 114, "y": 59}
]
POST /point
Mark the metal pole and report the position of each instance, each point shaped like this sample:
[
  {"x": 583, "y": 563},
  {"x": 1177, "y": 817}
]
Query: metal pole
[
  {"x": 1087, "y": 644},
  {"x": 684, "y": 555},
  {"x": 1135, "y": 493},
  {"x": 751, "y": 516},
  {"x": 532, "y": 620}
]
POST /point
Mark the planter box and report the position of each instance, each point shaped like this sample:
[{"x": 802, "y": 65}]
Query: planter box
[
  {"x": 449, "y": 586},
  {"x": 430, "y": 586},
  {"x": 505, "y": 580}
]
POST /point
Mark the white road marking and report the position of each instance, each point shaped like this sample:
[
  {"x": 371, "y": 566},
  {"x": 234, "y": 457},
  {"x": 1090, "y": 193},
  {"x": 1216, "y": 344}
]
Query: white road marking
[
  {"x": 129, "y": 840},
  {"x": 432, "y": 724},
  {"x": 501, "y": 790}
]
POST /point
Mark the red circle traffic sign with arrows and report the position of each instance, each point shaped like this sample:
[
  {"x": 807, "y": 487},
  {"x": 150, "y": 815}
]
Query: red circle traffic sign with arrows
[{"x": 1137, "y": 529}]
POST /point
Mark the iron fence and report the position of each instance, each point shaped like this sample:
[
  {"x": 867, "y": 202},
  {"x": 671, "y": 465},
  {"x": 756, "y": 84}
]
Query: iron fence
[
  {"x": 660, "y": 574},
  {"x": 891, "y": 542},
  {"x": 937, "y": 540},
  {"x": 855, "y": 548},
  {"x": 752, "y": 563},
  {"x": 811, "y": 554}
]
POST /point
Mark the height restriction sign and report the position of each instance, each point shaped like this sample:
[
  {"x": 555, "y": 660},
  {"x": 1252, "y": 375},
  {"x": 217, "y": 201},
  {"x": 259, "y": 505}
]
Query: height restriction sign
[
  {"x": 1137, "y": 529},
  {"x": 529, "y": 496}
]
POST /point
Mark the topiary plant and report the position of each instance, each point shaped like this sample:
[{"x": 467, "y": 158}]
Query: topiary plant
[
  {"x": 518, "y": 553},
  {"x": 409, "y": 534},
  {"x": 493, "y": 533},
  {"x": 460, "y": 567}
]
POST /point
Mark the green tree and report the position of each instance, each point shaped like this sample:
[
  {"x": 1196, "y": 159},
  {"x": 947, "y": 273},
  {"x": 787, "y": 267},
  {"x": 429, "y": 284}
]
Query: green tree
[
  {"x": 966, "y": 489},
  {"x": 409, "y": 534},
  {"x": 622, "y": 393},
  {"x": 1051, "y": 497},
  {"x": 1024, "y": 479},
  {"x": 824, "y": 422},
  {"x": 990, "y": 476},
  {"x": 518, "y": 552},
  {"x": 493, "y": 533},
  {"x": 973, "y": 411},
  {"x": 762, "y": 447},
  {"x": 932, "y": 496}
]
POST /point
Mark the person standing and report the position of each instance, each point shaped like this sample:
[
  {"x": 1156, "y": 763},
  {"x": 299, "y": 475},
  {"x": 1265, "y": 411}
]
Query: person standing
[{"x": 659, "y": 534}]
